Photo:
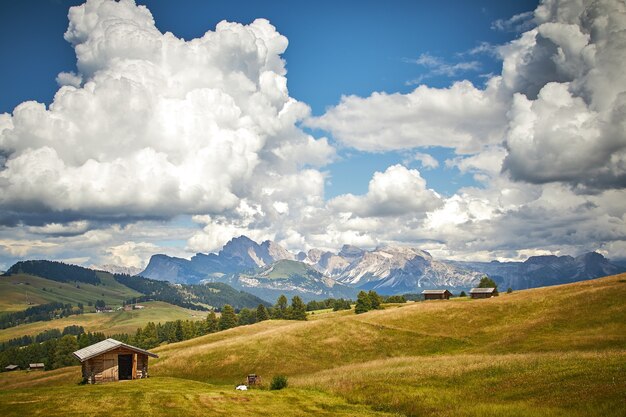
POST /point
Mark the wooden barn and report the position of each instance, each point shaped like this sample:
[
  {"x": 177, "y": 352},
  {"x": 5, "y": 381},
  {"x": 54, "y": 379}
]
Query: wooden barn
[
  {"x": 436, "y": 294},
  {"x": 483, "y": 292},
  {"x": 112, "y": 360}
]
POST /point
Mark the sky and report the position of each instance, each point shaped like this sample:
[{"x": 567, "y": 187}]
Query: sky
[{"x": 474, "y": 130}]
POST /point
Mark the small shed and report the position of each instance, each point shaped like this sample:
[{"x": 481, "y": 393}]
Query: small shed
[
  {"x": 253, "y": 379},
  {"x": 112, "y": 360},
  {"x": 483, "y": 292},
  {"x": 36, "y": 366},
  {"x": 11, "y": 368},
  {"x": 436, "y": 294}
]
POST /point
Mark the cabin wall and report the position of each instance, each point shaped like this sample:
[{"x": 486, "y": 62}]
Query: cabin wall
[
  {"x": 105, "y": 367},
  {"x": 481, "y": 295}
]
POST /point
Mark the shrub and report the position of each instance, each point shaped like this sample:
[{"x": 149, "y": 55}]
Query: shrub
[
  {"x": 510, "y": 290},
  {"x": 279, "y": 382}
]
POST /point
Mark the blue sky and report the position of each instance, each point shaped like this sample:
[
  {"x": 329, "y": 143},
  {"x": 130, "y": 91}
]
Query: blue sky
[{"x": 474, "y": 130}]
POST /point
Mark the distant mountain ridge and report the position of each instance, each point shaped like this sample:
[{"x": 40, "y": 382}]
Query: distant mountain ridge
[
  {"x": 247, "y": 265},
  {"x": 238, "y": 255},
  {"x": 540, "y": 271}
]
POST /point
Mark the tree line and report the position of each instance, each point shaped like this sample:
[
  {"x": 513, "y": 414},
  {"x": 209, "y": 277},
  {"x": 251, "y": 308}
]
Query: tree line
[
  {"x": 55, "y": 271},
  {"x": 42, "y": 312}
]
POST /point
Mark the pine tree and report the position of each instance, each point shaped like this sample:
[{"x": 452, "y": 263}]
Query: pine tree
[
  {"x": 280, "y": 308},
  {"x": 63, "y": 352},
  {"x": 486, "y": 282},
  {"x": 246, "y": 316},
  {"x": 363, "y": 303},
  {"x": 150, "y": 336},
  {"x": 228, "y": 319},
  {"x": 298, "y": 309},
  {"x": 375, "y": 300},
  {"x": 261, "y": 313},
  {"x": 212, "y": 324},
  {"x": 179, "y": 333}
]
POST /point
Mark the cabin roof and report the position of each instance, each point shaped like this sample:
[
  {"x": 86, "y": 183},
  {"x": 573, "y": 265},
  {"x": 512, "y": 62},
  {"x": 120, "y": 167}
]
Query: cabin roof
[
  {"x": 482, "y": 290},
  {"x": 434, "y": 291},
  {"x": 36, "y": 365},
  {"x": 11, "y": 367},
  {"x": 106, "y": 346}
]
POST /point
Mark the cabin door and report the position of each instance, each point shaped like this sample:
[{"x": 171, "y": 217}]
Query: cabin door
[{"x": 125, "y": 364}]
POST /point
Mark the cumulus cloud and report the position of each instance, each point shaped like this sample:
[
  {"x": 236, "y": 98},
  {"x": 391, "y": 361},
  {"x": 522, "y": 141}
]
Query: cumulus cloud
[
  {"x": 395, "y": 192},
  {"x": 69, "y": 78},
  {"x": 154, "y": 126},
  {"x": 557, "y": 108},
  {"x": 462, "y": 117}
]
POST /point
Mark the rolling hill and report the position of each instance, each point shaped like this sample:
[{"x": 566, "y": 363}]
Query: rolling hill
[
  {"x": 36, "y": 282},
  {"x": 557, "y": 351}
]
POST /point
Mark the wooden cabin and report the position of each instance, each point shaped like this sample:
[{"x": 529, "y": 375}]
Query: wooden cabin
[
  {"x": 36, "y": 366},
  {"x": 112, "y": 360},
  {"x": 483, "y": 292},
  {"x": 11, "y": 368},
  {"x": 436, "y": 294}
]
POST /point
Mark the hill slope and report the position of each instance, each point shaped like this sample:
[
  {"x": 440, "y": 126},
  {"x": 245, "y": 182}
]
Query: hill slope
[
  {"x": 18, "y": 292},
  {"x": 48, "y": 281},
  {"x": 556, "y": 351}
]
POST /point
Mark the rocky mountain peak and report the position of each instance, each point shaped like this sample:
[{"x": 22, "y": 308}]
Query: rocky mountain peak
[{"x": 350, "y": 252}]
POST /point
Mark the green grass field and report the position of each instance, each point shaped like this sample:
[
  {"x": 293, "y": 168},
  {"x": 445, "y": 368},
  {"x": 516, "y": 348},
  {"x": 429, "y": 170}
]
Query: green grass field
[
  {"x": 17, "y": 291},
  {"x": 109, "y": 323},
  {"x": 558, "y": 351}
]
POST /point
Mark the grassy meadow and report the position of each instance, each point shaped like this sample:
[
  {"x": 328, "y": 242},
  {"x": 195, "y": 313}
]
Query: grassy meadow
[
  {"x": 17, "y": 291},
  {"x": 557, "y": 351}
]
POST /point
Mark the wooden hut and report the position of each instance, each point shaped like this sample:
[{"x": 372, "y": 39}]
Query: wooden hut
[
  {"x": 483, "y": 292},
  {"x": 112, "y": 360},
  {"x": 36, "y": 366},
  {"x": 436, "y": 294},
  {"x": 11, "y": 368}
]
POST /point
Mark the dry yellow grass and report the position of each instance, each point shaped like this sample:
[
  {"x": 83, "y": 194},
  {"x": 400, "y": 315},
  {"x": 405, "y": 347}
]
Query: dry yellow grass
[{"x": 549, "y": 352}]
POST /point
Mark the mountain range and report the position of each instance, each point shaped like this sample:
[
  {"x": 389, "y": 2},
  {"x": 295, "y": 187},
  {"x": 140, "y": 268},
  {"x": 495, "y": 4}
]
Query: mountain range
[{"x": 267, "y": 270}]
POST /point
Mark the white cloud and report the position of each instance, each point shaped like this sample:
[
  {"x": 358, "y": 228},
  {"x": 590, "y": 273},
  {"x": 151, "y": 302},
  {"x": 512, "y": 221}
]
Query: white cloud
[
  {"x": 517, "y": 23},
  {"x": 159, "y": 127},
  {"x": 396, "y": 191},
  {"x": 69, "y": 78},
  {"x": 131, "y": 254},
  {"x": 462, "y": 117},
  {"x": 438, "y": 66},
  {"x": 426, "y": 160}
]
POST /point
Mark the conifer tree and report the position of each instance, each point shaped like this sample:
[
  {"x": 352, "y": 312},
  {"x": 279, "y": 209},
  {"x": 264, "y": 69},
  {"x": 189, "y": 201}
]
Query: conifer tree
[
  {"x": 246, "y": 316},
  {"x": 375, "y": 300},
  {"x": 228, "y": 319},
  {"x": 211, "y": 322},
  {"x": 298, "y": 309},
  {"x": 280, "y": 308},
  {"x": 261, "y": 313},
  {"x": 63, "y": 352},
  {"x": 363, "y": 303}
]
